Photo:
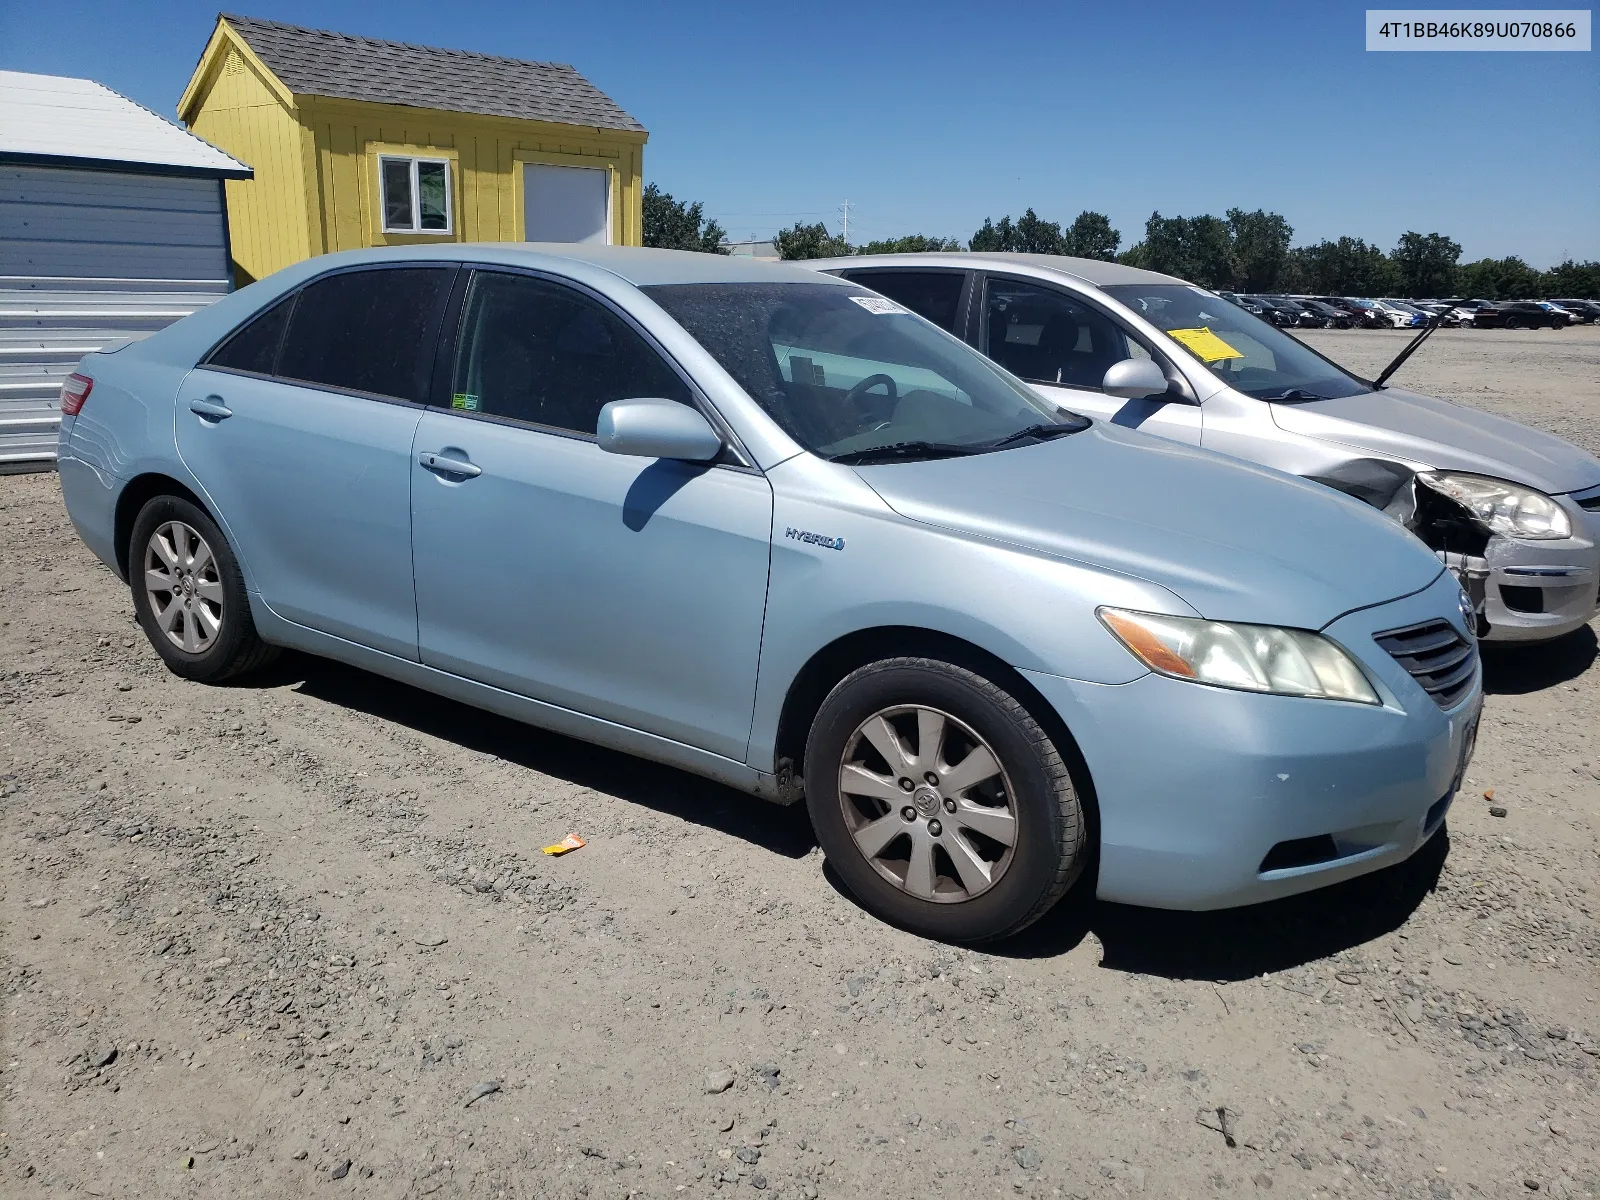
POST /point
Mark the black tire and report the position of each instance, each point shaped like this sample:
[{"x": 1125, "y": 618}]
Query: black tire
[
  {"x": 235, "y": 648},
  {"x": 1513, "y": 323},
  {"x": 1049, "y": 851}
]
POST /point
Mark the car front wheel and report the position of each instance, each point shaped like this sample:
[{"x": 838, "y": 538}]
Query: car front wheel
[
  {"x": 943, "y": 805},
  {"x": 189, "y": 593}
]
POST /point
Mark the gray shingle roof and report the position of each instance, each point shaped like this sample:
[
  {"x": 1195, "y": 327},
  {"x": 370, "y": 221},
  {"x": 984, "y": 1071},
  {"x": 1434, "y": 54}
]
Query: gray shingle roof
[{"x": 317, "y": 62}]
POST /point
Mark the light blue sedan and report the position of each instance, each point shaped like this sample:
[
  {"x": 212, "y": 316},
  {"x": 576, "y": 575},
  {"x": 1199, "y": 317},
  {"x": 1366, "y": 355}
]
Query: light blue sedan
[{"x": 771, "y": 528}]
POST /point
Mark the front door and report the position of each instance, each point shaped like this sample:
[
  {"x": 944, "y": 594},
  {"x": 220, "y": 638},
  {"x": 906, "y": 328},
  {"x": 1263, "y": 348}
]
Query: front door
[
  {"x": 299, "y": 431},
  {"x": 626, "y": 588},
  {"x": 566, "y": 204},
  {"x": 1063, "y": 346}
]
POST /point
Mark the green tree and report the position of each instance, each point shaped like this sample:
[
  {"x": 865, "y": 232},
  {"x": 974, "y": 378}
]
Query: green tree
[
  {"x": 677, "y": 225},
  {"x": 1499, "y": 279},
  {"x": 1259, "y": 252},
  {"x": 1425, "y": 264},
  {"x": 1090, "y": 236},
  {"x": 1347, "y": 267},
  {"x": 1579, "y": 280},
  {"x": 1198, "y": 249},
  {"x": 1030, "y": 235},
  {"x": 915, "y": 243},
  {"x": 809, "y": 241}
]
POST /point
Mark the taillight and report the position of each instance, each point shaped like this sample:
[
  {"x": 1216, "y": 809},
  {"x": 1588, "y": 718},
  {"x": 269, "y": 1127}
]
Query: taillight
[{"x": 75, "y": 390}]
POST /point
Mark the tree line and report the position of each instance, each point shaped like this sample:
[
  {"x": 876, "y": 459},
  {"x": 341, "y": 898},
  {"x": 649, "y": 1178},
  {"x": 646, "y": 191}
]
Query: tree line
[{"x": 1250, "y": 252}]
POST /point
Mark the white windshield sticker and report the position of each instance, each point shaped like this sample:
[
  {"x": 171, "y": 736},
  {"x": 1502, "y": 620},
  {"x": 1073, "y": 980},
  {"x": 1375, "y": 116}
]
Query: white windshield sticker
[{"x": 877, "y": 304}]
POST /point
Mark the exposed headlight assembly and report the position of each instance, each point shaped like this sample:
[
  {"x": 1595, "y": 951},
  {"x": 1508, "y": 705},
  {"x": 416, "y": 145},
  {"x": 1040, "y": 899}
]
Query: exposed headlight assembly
[
  {"x": 1508, "y": 509},
  {"x": 1250, "y": 658}
]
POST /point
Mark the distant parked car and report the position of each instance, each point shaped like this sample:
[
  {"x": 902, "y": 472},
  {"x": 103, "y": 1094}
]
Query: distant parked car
[
  {"x": 1563, "y": 317},
  {"x": 1360, "y": 317},
  {"x": 1304, "y": 317},
  {"x": 1464, "y": 314},
  {"x": 1419, "y": 315},
  {"x": 1513, "y": 314},
  {"x": 1335, "y": 318},
  {"x": 1585, "y": 311},
  {"x": 1260, "y": 306}
]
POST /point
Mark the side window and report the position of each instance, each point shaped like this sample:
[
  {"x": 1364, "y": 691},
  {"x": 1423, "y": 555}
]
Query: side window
[
  {"x": 934, "y": 295},
  {"x": 254, "y": 345},
  {"x": 373, "y": 331},
  {"x": 535, "y": 351},
  {"x": 1046, "y": 336}
]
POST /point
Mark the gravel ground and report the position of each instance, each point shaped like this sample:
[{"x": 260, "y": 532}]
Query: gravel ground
[{"x": 298, "y": 933}]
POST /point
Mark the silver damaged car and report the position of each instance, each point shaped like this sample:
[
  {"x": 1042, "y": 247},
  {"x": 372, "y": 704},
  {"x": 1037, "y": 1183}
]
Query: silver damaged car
[{"x": 1512, "y": 511}]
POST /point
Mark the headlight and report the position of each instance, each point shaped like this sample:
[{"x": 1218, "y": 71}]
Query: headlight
[
  {"x": 1250, "y": 658},
  {"x": 1506, "y": 508}
]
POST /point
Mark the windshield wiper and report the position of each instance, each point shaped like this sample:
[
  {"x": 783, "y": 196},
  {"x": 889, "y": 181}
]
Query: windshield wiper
[
  {"x": 903, "y": 450},
  {"x": 1040, "y": 432},
  {"x": 1295, "y": 396},
  {"x": 1399, "y": 359}
]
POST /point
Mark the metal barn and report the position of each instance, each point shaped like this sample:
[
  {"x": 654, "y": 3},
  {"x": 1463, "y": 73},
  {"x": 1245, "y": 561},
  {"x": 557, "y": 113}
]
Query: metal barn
[{"x": 113, "y": 223}]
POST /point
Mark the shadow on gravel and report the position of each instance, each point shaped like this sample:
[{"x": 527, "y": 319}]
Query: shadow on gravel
[
  {"x": 1518, "y": 670},
  {"x": 1239, "y": 943},
  {"x": 785, "y": 831}
]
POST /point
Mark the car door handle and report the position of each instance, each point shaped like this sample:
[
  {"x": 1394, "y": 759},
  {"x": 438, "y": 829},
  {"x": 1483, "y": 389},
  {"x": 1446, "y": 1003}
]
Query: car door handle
[
  {"x": 445, "y": 464},
  {"x": 211, "y": 409}
]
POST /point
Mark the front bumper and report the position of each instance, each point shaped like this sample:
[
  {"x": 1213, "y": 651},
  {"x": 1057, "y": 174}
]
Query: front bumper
[
  {"x": 1542, "y": 590},
  {"x": 1198, "y": 786}
]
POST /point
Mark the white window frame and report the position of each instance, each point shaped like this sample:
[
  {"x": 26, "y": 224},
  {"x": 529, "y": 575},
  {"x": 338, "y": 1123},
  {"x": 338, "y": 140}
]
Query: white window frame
[{"x": 416, "y": 197}]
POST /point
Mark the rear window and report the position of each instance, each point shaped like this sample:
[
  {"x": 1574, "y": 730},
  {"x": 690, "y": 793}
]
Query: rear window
[
  {"x": 254, "y": 345},
  {"x": 933, "y": 295},
  {"x": 369, "y": 331}
]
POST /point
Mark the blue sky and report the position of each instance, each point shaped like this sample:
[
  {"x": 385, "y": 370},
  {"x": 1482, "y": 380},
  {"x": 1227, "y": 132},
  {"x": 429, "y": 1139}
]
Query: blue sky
[{"x": 929, "y": 117}]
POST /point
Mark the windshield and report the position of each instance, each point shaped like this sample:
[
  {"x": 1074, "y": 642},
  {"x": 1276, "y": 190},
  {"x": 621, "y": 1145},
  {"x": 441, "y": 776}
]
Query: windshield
[
  {"x": 849, "y": 374},
  {"x": 1248, "y": 354}
]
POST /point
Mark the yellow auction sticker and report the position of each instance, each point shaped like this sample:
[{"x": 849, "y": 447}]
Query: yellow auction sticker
[{"x": 1207, "y": 346}]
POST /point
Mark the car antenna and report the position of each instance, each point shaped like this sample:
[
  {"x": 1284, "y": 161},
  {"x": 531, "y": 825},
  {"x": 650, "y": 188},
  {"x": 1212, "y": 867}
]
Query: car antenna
[{"x": 1399, "y": 359}]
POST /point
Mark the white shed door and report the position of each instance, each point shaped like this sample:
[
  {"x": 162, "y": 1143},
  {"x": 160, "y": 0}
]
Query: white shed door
[{"x": 565, "y": 204}]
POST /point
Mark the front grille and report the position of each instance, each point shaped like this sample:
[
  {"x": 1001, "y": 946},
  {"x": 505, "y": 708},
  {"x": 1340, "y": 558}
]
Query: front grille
[{"x": 1436, "y": 656}]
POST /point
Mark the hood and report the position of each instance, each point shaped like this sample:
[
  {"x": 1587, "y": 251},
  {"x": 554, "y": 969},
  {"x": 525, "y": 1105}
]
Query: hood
[
  {"x": 1236, "y": 541},
  {"x": 1424, "y": 429}
]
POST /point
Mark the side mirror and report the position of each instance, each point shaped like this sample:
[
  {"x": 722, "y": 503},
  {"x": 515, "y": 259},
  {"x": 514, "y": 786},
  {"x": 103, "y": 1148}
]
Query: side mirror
[
  {"x": 1134, "y": 379},
  {"x": 656, "y": 428}
]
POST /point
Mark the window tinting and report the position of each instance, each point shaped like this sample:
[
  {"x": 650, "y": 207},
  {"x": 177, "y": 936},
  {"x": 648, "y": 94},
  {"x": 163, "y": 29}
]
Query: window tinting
[
  {"x": 254, "y": 346},
  {"x": 372, "y": 331},
  {"x": 1046, "y": 336},
  {"x": 935, "y": 295},
  {"x": 535, "y": 351}
]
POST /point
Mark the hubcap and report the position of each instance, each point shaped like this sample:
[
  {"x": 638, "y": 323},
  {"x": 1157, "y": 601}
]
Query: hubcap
[
  {"x": 950, "y": 835},
  {"x": 183, "y": 587}
]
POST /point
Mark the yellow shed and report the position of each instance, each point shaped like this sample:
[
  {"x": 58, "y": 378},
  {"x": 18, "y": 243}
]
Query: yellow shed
[{"x": 360, "y": 142}]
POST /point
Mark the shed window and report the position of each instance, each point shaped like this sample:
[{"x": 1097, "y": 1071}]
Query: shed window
[{"x": 416, "y": 194}]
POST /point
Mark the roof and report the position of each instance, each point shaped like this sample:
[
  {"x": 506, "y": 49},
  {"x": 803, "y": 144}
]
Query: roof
[
  {"x": 317, "y": 62},
  {"x": 1089, "y": 270},
  {"x": 57, "y": 120}
]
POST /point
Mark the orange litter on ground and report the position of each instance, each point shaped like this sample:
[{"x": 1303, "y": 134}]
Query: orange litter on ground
[{"x": 566, "y": 845}]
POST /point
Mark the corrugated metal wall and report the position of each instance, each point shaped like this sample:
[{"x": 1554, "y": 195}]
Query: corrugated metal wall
[{"x": 87, "y": 257}]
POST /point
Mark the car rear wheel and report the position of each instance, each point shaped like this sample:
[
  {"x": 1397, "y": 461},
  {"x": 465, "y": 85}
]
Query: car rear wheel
[
  {"x": 189, "y": 593},
  {"x": 1513, "y": 323},
  {"x": 945, "y": 808}
]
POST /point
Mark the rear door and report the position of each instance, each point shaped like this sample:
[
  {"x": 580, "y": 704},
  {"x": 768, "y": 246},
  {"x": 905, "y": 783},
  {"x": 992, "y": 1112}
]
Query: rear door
[
  {"x": 299, "y": 429},
  {"x": 1063, "y": 345}
]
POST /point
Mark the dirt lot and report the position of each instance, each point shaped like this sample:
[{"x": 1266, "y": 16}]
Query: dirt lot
[{"x": 272, "y": 939}]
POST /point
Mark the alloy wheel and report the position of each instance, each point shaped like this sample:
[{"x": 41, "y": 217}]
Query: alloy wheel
[
  {"x": 928, "y": 803},
  {"x": 183, "y": 587}
]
